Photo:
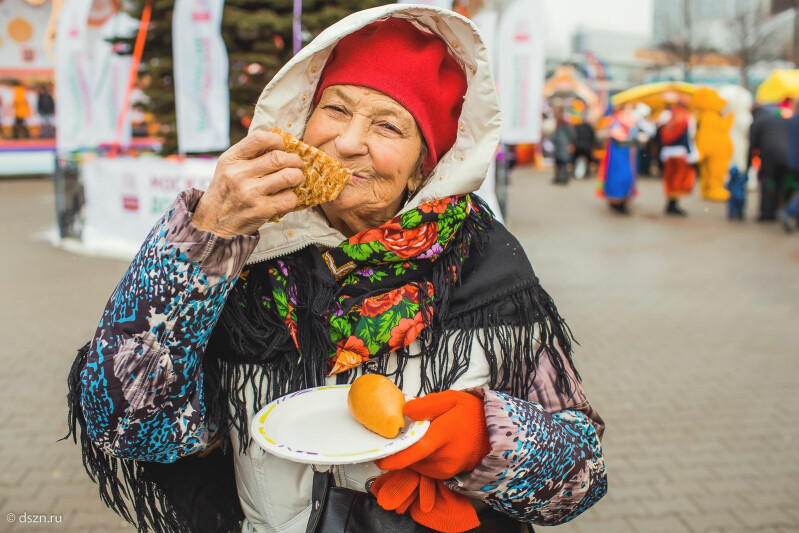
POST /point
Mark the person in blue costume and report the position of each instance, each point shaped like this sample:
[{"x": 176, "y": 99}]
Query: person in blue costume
[{"x": 617, "y": 174}]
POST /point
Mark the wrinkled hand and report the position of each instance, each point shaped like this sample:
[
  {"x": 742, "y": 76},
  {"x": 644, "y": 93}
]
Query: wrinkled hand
[
  {"x": 455, "y": 442},
  {"x": 252, "y": 183},
  {"x": 431, "y": 503}
]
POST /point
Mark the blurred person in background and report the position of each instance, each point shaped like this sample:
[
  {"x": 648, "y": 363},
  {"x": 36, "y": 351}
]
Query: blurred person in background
[
  {"x": 768, "y": 139},
  {"x": 21, "y": 112},
  {"x": 714, "y": 143},
  {"x": 584, "y": 142},
  {"x": 789, "y": 217},
  {"x": 679, "y": 155},
  {"x": 647, "y": 129},
  {"x": 616, "y": 176},
  {"x": 563, "y": 146},
  {"x": 45, "y": 106},
  {"x": 647, "y": 154},
  {"x": 736, "y": 186},
  {"x": 786, "y": 107},
  {"x": 739, "y": 105}
]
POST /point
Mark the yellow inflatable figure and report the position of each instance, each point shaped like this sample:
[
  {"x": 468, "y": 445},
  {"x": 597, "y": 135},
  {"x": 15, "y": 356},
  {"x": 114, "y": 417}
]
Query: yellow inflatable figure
[{"x": 713, "y": 142}]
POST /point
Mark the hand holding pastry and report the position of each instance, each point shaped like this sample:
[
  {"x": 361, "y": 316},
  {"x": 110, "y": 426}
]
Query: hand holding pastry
[
  {"x": 252, "y": 183},
  {"x": 455, "y": 442}
]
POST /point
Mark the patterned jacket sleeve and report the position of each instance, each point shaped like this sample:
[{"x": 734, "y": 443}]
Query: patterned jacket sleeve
[
  {"x": 546, "y": 464},
  {"x": 142, "y": 392}
]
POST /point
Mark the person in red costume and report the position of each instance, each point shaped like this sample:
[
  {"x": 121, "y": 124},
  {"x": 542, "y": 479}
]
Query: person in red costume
[
  {"x": 406, "y": 274},
  {"x": 679, "y": 155}
]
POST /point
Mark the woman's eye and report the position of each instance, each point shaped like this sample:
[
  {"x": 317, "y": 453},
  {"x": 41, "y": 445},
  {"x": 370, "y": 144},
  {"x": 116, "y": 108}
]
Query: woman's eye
[{"x": 391, "y": 127}]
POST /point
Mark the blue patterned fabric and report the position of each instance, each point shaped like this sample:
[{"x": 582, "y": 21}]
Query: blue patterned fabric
[
  {"x": 142, "y": 391},
  {"x": 543, "y": 468}
]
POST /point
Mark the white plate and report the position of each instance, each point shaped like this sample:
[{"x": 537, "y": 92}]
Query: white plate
[{"x": 314, "y": 426}]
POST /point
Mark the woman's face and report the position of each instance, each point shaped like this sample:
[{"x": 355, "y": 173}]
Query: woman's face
[{"x": 379, "y": 140}]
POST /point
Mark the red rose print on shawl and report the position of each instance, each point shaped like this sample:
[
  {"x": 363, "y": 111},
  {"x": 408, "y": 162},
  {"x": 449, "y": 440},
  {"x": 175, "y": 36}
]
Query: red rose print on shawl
[
  {"x": 406, "y": 243},
  {"x": 406, "y": 331},
  {"x": 377, "y": 305},
  {"x": 436, "y": 206}
]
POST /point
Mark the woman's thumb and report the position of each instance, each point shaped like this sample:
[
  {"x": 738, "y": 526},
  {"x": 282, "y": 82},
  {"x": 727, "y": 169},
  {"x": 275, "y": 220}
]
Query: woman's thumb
[{"x": 431, "y": 406}]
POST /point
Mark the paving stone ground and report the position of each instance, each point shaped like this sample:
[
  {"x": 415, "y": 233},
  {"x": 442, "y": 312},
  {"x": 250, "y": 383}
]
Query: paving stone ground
[{"x": 689, "y": 350}]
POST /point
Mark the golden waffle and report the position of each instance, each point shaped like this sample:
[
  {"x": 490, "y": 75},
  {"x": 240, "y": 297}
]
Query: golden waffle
[{"x": 324, "y": 176}]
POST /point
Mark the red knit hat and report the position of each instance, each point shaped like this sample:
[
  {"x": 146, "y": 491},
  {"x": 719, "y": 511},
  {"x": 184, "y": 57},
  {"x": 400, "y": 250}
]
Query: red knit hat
[{"x": 411, "y": 66}]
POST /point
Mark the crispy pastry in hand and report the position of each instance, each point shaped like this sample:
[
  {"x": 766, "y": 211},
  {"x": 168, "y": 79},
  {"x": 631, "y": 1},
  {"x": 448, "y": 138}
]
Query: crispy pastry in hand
[
  {"x": 377, "y": 403},
  {"x": 325, "y": 177}
]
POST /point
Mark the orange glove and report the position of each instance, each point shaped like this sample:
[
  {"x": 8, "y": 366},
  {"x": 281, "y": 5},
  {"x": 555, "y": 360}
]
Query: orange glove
[
  {"x": 431, "y": 503},
  {"x": 455, "y": 442},
  {"x": 451, "y": 512},
  {"x": 398, "y": 489}
]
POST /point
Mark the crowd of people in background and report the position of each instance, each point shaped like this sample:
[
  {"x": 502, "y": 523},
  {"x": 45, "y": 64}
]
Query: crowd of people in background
[
  {"x": 690, "y": 139},
  {"x": 22, "y": 111}
]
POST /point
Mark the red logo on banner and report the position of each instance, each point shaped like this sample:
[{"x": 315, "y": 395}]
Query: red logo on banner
[
  {"x": 522, "y": 33},
  {"x": 201, "y": 16},
  {"x": 130, "y": 203}
]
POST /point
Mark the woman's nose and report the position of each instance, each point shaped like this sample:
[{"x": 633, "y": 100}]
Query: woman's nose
[{"x": 351, "y": 140}]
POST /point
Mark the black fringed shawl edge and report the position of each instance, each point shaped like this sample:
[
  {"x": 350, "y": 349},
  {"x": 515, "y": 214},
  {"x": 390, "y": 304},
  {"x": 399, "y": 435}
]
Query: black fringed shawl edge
[
  {"x": 194, "y": 494},
  {"x": 493, "y": 299}
]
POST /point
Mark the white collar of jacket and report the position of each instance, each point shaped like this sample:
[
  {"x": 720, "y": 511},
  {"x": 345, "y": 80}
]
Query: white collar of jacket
[{"x": 287, "y": 99}]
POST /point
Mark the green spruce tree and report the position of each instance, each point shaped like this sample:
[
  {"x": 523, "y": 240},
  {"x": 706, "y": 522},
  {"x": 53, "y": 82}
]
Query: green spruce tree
[{"x": 259, "y": 40}]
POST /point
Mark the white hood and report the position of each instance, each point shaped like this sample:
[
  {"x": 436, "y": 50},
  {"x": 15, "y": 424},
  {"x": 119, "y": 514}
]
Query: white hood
[{"x": 286, "y": 103}]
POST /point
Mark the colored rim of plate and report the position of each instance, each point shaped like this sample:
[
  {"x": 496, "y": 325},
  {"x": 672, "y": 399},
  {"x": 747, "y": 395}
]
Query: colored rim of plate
[{"x": 415, "y": 431}]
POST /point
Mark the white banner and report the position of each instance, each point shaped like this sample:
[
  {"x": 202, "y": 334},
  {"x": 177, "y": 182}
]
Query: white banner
[
  {"x": 73, "y": 77},
  {"x": 446, "y": 4},
  {"x": 111, "y": 81},
  {"x": 201, "y": 76},
  {"x": 520, "y": 76},
  {"x": 125, "y": 196},
  {"x": 486, "y": 21}
]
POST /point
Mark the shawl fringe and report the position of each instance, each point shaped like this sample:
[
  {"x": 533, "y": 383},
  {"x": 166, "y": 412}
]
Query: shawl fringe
[{"x": 155, "y": 496}]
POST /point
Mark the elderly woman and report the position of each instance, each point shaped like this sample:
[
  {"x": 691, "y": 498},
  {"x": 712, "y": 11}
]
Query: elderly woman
[{"x": 405, "y": 274}]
